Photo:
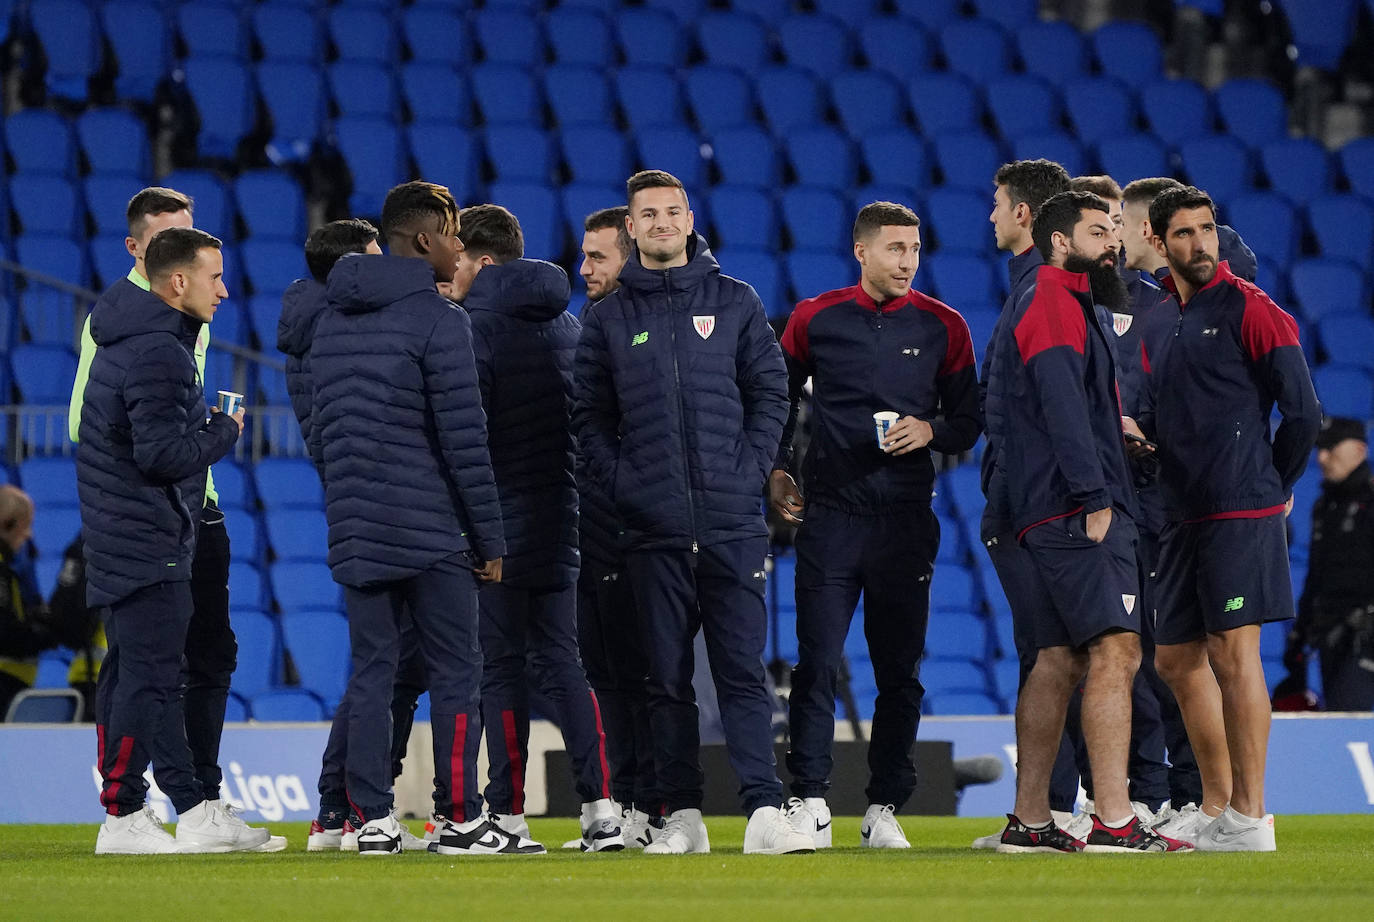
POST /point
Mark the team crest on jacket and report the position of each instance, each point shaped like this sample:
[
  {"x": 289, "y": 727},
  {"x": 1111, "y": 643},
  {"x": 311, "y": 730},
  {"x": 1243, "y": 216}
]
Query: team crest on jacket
[
  {"x": 705, "y": 325},
  {"x": 1121, "y": 323}
]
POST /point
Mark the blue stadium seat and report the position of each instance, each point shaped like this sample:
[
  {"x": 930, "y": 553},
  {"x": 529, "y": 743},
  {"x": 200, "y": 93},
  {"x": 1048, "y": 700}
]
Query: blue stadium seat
[
  {"x": 114, "y": 140},
  {"x": 305, "y": 586},
  {"x": 1100, "y": 108},
  {"x": 234, "y": 484},
  {"x": 362, "y": 34},
  {"x": 210, "y": 30},
  {"x": 110, "y": 259},
  {"x": 952, "y": 675},
  {"x": 1345, "y": 390},
  {"x": 719, "y": 97},
  {"x": 540, "y": 217},
  {"x": 579, "y": 36},
  {"x": 1344, "y": 228},
  {"x": 1006, "y": 672},
  {"x": 141, "y": 41},
  {"x": 896, "y": 156},
  {"x": 287, "y": 705},
  {"x": 766, "y": 10},
  {"x": 1299, "y": 168},
  {"x": 967, "y": 161},
  {"x": 40, "y": 141},
  {"x": 49, "y": 315},
  {"x": 1322, "y": 29},
  {"x": 580, "y": 199},
  {"x": 649, "y": 96},
  {"x": 69, "y": 34},
  {"x": 1054, "y": 50},
  {"x": 813, "y": 272},
  {"x": 297, "y": 534},
  {"x": 1011, "y": 14},
  {"x": 675, "y": 149},
  {"x": 895, "y": 46},
  {"x": 375, "y": 154},
  {"x": 1129, "y": 51},
  {"x": 288, "y": 483},
  {"x": 362, "y": 88},
  {"x": 49, "y": 481},
  {"x": 1177, "y": 110},
  {"x": 746, "y": 156},
  {"x": 579, "y": 95},
  {"x": 822, "y": 157},
  {"x": 45, "y": 204},
  {"x": 1023, "y": 104},
  {"x": 945, "y": 103},
  {"x": 1357, "y": 161},
  {"x": 1325, "y": 286},
  {"x": 508, "y": 36},
  {"x": 958, "y": 219},
  {"x": 760, "y": 269},
  {"x": 319, "y": 648},
  {"x": 222, "y": 92},
  {"x": 789, "y": 98},
  {"x": 650, "y": 37},
  {"x": 520, "y": 153},
  {"x": 1252, "y": 110},
  {"x": 287, "y": 33},
  {"x": 956, "y": 635},
  {"x": 1269, "y": 223},
  {"x": 46, "y": 706},
  {"x": 817, "y": 42},
  {"x": 231, "y": 326},
  {"x": 867, "y": 101},
  {"x": 734, "y": 40},
  {"x": 435, "y": 34},
  {"x": 1137, "y": 156},
  {"x": 272, "y": 264},
  {"x": 1348, "y": 338},
  {"x": 1218, "y": 164},
  {"x": 436, "y": 92},
  {"x": 977, "y": 48},
  {"x": 271, "y": 205},
  {"x": 816, "y": 218},
  {"x": 447, "y": 154},
  {"x": 953, "y": 589},
  {"x": 235, "y": 708},
  {"x": 54, "y": 528},
  {"x": 930, "y": 13},
  {"x": 961, "y": 279},
  {"x": 1059, "y": 146},
  {"x": 246, "y": 589},
  {"x": 596, "y": 154},
  {"x": 973, "y": 703},
  {"x": 294, "y": 95}
]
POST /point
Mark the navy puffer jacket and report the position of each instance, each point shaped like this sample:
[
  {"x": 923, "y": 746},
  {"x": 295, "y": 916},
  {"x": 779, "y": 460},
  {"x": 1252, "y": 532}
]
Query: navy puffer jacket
[
  {"x": 680, "y": 400},
  {"x": 302, "y": 305},
  {"x": 397, "y": 425},
  {"x": 145, "y": 445},
  {"x": 524, "y": 340}
]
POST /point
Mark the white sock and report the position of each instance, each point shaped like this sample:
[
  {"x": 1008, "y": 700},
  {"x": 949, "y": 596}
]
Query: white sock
[
  {"x": 1119, "y": 823},
  {"x": 1243, "y": 820},
  {"x": 470, "y": 825}
]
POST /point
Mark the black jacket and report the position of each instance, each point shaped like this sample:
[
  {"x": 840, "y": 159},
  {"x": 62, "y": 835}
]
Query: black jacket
[
  {"x": 302, "y": 305},
  {"x": 1340, "y": 562}
]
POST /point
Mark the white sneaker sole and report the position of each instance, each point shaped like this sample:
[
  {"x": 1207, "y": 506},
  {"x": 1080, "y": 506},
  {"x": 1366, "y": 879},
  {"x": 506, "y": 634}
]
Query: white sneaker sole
[
  {"x": 273, "y": 844},
  {"x": 1118, "y": 850},
  {"x": 1004, "y": 849},
  {"x": 807, "y": 850}
]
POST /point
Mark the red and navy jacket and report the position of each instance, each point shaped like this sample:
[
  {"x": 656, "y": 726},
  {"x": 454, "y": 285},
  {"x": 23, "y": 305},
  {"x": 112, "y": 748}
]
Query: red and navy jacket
[
  {"x": 1059, "y": 438},
  {"x": 1212, "y": 385},
  {"x": 912, "y": 355}
]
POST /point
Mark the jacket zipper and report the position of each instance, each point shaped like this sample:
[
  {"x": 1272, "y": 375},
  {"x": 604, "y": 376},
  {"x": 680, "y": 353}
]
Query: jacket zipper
[{"x": 681, "y": 412}]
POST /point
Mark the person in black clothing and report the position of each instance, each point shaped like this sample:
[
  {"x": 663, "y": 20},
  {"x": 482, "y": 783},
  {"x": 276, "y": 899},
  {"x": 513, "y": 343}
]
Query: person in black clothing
[
  {"x": 1336, "y": 610},
  {"x": 24, "y": 632}
]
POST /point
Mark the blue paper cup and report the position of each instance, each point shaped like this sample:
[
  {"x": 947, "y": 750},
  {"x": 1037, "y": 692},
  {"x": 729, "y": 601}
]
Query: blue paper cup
[
  {"x": 230, "y": 403},
  {"x": 882, "y": 421}
]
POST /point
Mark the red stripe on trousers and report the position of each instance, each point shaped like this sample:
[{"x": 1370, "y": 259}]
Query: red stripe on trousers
[
  {"x": 455, "y": 767},
  {"x": 361, "y": 819},
  {"x": 517, "y": 767},
  {"x": 109, "y": 798},
  {"x": 100, "y": 747},
  {"x": 601, "y": 748}
]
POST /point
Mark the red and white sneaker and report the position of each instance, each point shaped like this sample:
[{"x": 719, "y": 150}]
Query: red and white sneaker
[
  {"x": 322, "y": 839},
  {"x": 1019, "y": 839},
  {"x": 1133, "y": 838},
  {"x": 348, "y": 841}
]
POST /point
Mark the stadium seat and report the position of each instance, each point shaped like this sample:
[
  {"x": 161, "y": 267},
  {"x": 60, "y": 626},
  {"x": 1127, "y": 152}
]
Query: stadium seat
[
  {"x": 1348, "y": 338},
  {"x": 374, "y": 152},
  {"x": 1006, "y": 674},
  {"x": 362, "y": 88},
  {"x": 520, "y": 153},
  {"x": 235, "y": 709},
  {"x": 40, "y": 141},
  {"x": 434, "y": 34},
  {"x": 1059, "y": 146},
  {"x": 222, "y": 92},
  {"x": 362, "y": 34},
  {"x": 1252, "y": 110},
  {"x": 960, "y": 279},
  {"x": 508, "y": 36},
  {"x": 650, "y": 37},
  {"x": 114, "y": 141},
  {"x": 287, "y": 33},
  {"x": 271, "y": 205},
  {"x": 1270, "y": 225},
  {"x": 506, "y": 93},
  {"x": 436, "y": 92},
  {"x": 731, "y": 39},
  {"x": 290, "y": 705},
  {"x": 896, "y": 156},
  {"x": 231, "y": 326},
  {"x": 294, "y": 96},
  {"x": 1023, "y": 104},
  {"x": 1324, "y": 286},
  {"x": 952, "y": 675},
  {"x": 138, "y": 35},
  {"x": 47, "y": 314},
  {"x": 766, "y": 10},
  {"x": 44, "y": 204},
  {"x": 110, "y": 259},
  {"x": 1357, "y": 161},
  {"x": 1298, "y": 168},
  {"x": 976, "y": 48},
  {"x": 746, "y": 217},
  {"x": 288, "y": 483},
  {"x": 319, "y": 648},
  {"x": 54, "y": 529},
  {"x": 1054, "y": 50},
  {"x": 746, "y": 156},
  {"x": 813, "y": 272},
  {"x": 719, "y": 97},
  {"x": 1010, "y": 14},
  {"x": 967, "y": 161},
  {"x": 895, "y": 46},
  {"x": 1345, "y": 390},
  {"x": 49, "y": 481},
  {"x": 760, "y": 269},
  {"x": 1129, "y": 51},
  {"x": 69, "y": 34},
  {"x": 579, "y": 36},
  {"x": 272, "y": 264},
  {"x": 649, "y": 96},
  {"x": 821, "y": 157},
  {"x": 816, "y": 219},
  {"x": 46, "y": 706},
  {"x": 956, "y": 634},
  {"x": 1136, "y": 155},
  {"x": 973, "y": 703},
  {"x": 1219, "y": 165},
  {"x": 578, "y": 95},
  {"x": 579, "y": 200},
  {"x": 789, "y": 98},
  {"x": 953, "y": 589},
  {"x": 1177, "y": 110},
  {"x": 297, "y": 534},
  {"x": 1344, "y": 228},
  {"x": 1322, "y": 30},
  {"x": 234, "y": 484},
  {"x": 540, "y": 217},
  {"x": 305, "y": 586},
  {"x": 958, "y": 220},
  {"x": 945, "y": 103},
  {"x": 677, "y": 150},
  {"x": 933, "y": 14},
  {"x": 817, "y": 42},
  {"x": 595, "y": 154},
  {"x": 1100, "y": 108},
  {"x": 447, "y": 154},
  {"x": 867, "y": 101},
  {"x": 212, "y": 30}
]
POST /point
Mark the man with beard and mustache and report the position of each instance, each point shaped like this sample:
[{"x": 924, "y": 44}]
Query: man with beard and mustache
[
  {"x": 1223, "y": 561},
  {"x": 1071, "y": 502}
]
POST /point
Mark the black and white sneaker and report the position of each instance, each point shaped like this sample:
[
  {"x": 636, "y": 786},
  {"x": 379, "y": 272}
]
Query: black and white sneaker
[
  {"x": 601, "y": 829},
  {"x": 484, "y": 838},
  {"x": 381, "y": 837},
  {"x": 1018, "y": 838}
]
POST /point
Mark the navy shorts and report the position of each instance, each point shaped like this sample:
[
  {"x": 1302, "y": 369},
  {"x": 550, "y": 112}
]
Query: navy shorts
[
  {"x": 1093, "y": 587},
  {"x": 1221, "y": 574}
]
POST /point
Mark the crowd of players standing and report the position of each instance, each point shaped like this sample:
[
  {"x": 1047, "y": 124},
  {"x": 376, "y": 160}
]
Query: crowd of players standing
[{"x": 1135, "y": 501}]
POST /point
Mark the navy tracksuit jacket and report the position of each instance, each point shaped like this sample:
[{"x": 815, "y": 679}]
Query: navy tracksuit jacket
[{"x": 868, "y": 527}]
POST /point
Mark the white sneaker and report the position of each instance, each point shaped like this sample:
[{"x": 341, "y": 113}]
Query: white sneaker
[
  {"x": 1232, "y": 832},
  {"x": 988, "y": 843},
  {"x": 380, "y": 837},
  {"x": 770, "y": 832},
  {"x": 638, "y": 829},
  {"x": 273, "y": 844},
  {"x": 410, "y": 842},
  {"x": 433, "y": 826},
  {"x": 812, "y": 816},
  {"x": 207, "y": 828},
  {"x": 1144, "y": 813},
  {"x": 140, "y": 833},
  {"x": 880, "y": 828},
  {"x": 322, "y": 839},
  {"x": 513, "y": 823},
  {"x": 601, "y": 830},
  {"x": 348, "y": 839},
  {"x": 1184, "y": 824},
  {"x": 684, "y": 833},
  {"x": 230, "y": 814},
  {"x": 482, "y": 837}
]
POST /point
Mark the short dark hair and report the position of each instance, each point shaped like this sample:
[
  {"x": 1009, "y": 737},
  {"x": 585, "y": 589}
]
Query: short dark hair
[
  {"x": 175, "y": 247},
  {"x": 326, "y": 244},
  {"x": 414, "y": 201},
  {"x": 1032, "y": 181},
  {"x": 651, "y": 179},
  {"x": 882, "y": 214},
  {"x": 1171, "y": 201},
  {"x": 1144, "y": 191},
  {"x": 1062, "y": 213},
  {"x": 151, "y": 201},
  {"x": 1102, "y": 185},
  {"x": 608, "y": 218},
  {"x": 493, "y": 231}
]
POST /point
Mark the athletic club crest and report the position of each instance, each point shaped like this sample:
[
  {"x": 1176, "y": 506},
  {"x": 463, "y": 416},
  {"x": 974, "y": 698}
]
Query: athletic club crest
[
  {"x": 705, "y": 325},
  {"x": 1121, "y": 323}
]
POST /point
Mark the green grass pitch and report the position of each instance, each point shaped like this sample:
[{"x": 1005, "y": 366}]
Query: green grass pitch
[{"x": 1324, "y": 870}]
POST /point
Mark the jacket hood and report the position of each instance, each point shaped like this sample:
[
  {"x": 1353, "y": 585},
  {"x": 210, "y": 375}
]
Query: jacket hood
[
  {"x": 700, "y": 264},
  {"x": 528, "y": 289},
  {"x": 301, "y": 306},
  {"x": 360, "y": 283},
  {"x": 126, "y": 310}
]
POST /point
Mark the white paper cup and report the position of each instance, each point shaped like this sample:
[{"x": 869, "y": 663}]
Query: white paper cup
[
  {"x": 230, "y": 403},
  {"x": 882, "y": 421}
]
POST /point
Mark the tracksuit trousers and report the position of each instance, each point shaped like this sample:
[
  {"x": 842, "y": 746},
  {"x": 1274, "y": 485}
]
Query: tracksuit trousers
[{"x": 211, "y": 651}]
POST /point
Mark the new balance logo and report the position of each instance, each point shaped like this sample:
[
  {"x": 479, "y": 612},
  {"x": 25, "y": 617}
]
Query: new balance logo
[
  {"x": 1210, "y": 331},
  {"x": 1235, "y": 604},
  {"x": 911, "y": 351},
  {"x": 640, "y": 339}
]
